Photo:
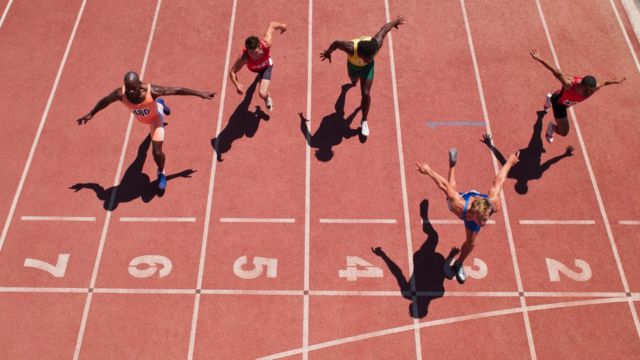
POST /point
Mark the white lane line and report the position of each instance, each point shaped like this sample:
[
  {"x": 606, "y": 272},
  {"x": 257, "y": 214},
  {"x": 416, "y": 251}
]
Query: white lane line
[
  {"x": 212, "y": 178},
  {"x": 258, "y": 220},
  {"x": 403, "y": 181},
  {"x": 446, "y": 321},
  {"x": 43, "y": 120},
  {"x": 556, "y": 222},
  {"x": 603, "y": 212},
  {"x": 358, "y": 221},
  {"x": 6, "y": 11},
  {"x": 573, "y": 294},
  {"x": 629, "y": 222},
  {"x": 632, "y": 11},
  {"x": 107, "y": 220},
  {"x": 633, "y": 15},
  {"x": 252, "y": 292},
  {"x": 144, "y": 291},
  {"x": 451, "y": 222},
  {"x": 503, "y": 201},
  {"x": 307, "y": 186},
  {"x": 20, "y": 289},
  {"x": 157, "y": 219},
  {"x": 58, "y": 218}
]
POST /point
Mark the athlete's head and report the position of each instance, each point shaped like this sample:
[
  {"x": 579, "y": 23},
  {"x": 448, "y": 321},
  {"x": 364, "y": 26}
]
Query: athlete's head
[
  {"x": 367, "y": 49},
  {"x": 252, "y": 44},
  {"x": 588, "y": 85},
  {"x": 480, "y": 210},
  {"x": 132, "y": 83}
]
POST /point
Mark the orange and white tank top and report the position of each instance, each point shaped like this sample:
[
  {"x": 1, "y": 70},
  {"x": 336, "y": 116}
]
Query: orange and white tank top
[
  {"x": 355, "y": 59},
  {"x": 146, "y": 111}
]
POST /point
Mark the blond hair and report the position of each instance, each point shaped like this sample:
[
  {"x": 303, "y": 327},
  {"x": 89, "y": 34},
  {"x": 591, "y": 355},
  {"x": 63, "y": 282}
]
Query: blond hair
[{"x": 481, "y": 207}]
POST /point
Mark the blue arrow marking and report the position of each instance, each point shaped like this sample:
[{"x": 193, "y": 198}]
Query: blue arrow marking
[{"x": 433, "y": 124}]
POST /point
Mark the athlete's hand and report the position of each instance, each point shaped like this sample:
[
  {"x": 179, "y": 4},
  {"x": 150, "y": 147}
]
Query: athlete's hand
[
  {"x": 398, "y": 21},
  {"x": 207, "y": 96},
  {"x": 534, "y": 54},
  {"x": 325, "y": 55},
  {"x": 620, "y": 81},
  {"x": 514, "y": 158},
  {"x": 486, "y": 138},
  {"x": 283, "y": 28},
  {"x": 423, "y": 168},
  {"x": 84, "y": 119},
  {"x": 239, "y": 89}
]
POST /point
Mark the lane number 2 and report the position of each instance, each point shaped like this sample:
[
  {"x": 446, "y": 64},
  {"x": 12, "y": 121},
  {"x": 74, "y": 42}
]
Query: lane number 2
[{"x": 555, "y": 268}]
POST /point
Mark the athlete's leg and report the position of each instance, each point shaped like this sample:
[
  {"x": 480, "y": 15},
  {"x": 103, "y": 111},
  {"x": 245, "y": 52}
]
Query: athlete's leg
[
  {"x": 466, "y": 249},
  {"x": 365, "y": 89},
  {"x": 354, "y": 81},
  {"x": 156, "y": 130},
  {"x": 562, "y": 126},
  {"x": 264, "y": 88}
]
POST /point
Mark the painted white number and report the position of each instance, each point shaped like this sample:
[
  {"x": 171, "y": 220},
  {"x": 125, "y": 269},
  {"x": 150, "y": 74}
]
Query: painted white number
[
  {"x": 259, "y": 263},
  {"x": 479, "y": 269},
  {"x": 56, "y": 270},
  {"x": 352, "y": 273},
  {"x": 152, "y": 263},
  {"x": 555, "y": 268}
]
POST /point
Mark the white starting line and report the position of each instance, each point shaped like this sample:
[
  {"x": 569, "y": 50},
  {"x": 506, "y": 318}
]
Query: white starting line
[
  {"x": 258, "y": 220},
  {"x": 629, "y": 222},
  {"x": 358, "y": 221},
  {"x": 557, "y": 222},
  {"x": 58, "y": 218},
  {"x": 158, "y": 219}
]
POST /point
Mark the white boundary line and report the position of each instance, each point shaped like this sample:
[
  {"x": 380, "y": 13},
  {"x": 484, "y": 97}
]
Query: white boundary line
[
  {"x": 6, "y": 11},
  {"x": 212, "y": 178},
  {"x": 358, "y": 221},
  {"x": 58, "y": 218},
  {"x": 157, "y": 219},
  {"x": 43, "y": 120},
  {"x": 403, "y": 183},
  {"x": 452, "y": 320},
  {"x": 452, "y": 222},
  {"x": 629, "y": 222},
  {"x": 634, "y": 23},
  {"x": 556, "y": 222},
  {"x": 105, "y": 227},
  {"x": 307, "y": 186},
  {"x": 633, "y": 15},
  {"x": 512, "y": 248},
  {"x": 603, "y": 212},
  {"x": 258, "y": 220}
]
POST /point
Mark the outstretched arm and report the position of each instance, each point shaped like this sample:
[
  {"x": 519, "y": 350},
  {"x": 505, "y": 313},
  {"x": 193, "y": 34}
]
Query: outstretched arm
[
  {"x": 273, "y": 26},
  {"x": 233, "y": 73},
  {"x": 103, "y": 103},
  {"x": 379, "y": 36},
  {"x": 500, "y": 179},
  {"x": 610, "y": 82},
  {"x": 486, "y": 138},
  {"x": 346, "y": 46},
  {"x": 157, "y": 91},
  {"x": 566, "y": 81},
  {"x": 442, "y": 183}
]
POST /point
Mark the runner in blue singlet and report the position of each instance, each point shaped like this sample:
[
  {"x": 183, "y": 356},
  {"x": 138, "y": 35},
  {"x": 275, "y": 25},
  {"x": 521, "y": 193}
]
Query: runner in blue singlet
[{"x": 471, "y": 207}]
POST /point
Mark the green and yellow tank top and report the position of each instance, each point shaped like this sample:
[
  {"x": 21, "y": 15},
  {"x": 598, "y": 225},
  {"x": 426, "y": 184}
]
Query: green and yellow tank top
[{"x": 355, "y": 59}]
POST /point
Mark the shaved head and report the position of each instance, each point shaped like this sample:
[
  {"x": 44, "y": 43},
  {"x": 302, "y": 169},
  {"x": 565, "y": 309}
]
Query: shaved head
[{"x": 131, "y": 79}]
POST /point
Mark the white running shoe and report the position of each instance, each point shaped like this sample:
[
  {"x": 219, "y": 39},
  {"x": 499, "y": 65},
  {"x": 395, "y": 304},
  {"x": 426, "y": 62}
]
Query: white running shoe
[
  {"x": 549, "y": 134},
  {"x": 365, "y": 128},
  {"x": 269, "y": 103},
  {"x": 448, "y": 270},
  {"x": 547, "y": 103},
  {"x": 453, "y": 157},
  {"x": 461, "y": 276}
]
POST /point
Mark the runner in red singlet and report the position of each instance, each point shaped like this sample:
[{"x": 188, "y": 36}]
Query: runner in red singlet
[
  {"x": 144, "y": 101},
  {"x": 256, "y": 55},
  {"x": 574, "y": 90}
]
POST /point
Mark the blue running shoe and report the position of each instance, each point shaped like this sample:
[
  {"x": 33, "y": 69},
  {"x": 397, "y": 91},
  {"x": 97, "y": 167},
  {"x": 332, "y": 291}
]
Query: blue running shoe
[
  {"x": 165, "y": 108},
  {"x": 162, "y": 181}
]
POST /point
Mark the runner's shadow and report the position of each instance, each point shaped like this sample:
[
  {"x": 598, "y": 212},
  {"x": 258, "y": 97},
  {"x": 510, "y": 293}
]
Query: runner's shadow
[
  {"x": 530, "y": 166},
  {"x": 428, "y": 273},
  {"x": 333, "y": 128},
  {"x": 241, "y": 123},
  {"x": 134, "y": 184}
]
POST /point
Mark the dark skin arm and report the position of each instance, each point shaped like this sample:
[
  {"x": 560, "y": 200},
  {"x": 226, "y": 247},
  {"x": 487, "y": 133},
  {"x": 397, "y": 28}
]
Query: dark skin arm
[
  {"x": 346, "y": 46},
  {"x": 157, "y": 91},
  {"x": 380, "y": 35},
  {"x": 567, "y": 81},
  {"x": 610, "y": 82},
  {"x": 116, "y": 95}
]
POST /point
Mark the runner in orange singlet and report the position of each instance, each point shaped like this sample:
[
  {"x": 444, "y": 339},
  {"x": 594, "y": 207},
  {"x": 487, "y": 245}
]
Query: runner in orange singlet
[
  {"x": 256, "y": 55},
  {"x": 144, "y": 101}
]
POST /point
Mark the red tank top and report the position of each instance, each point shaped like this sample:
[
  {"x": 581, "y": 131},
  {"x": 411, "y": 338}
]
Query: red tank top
[
  {"x": 146, "y": 111},
  {"x": 570, "y": 97},
  {"x": 261, "y": 63}
]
